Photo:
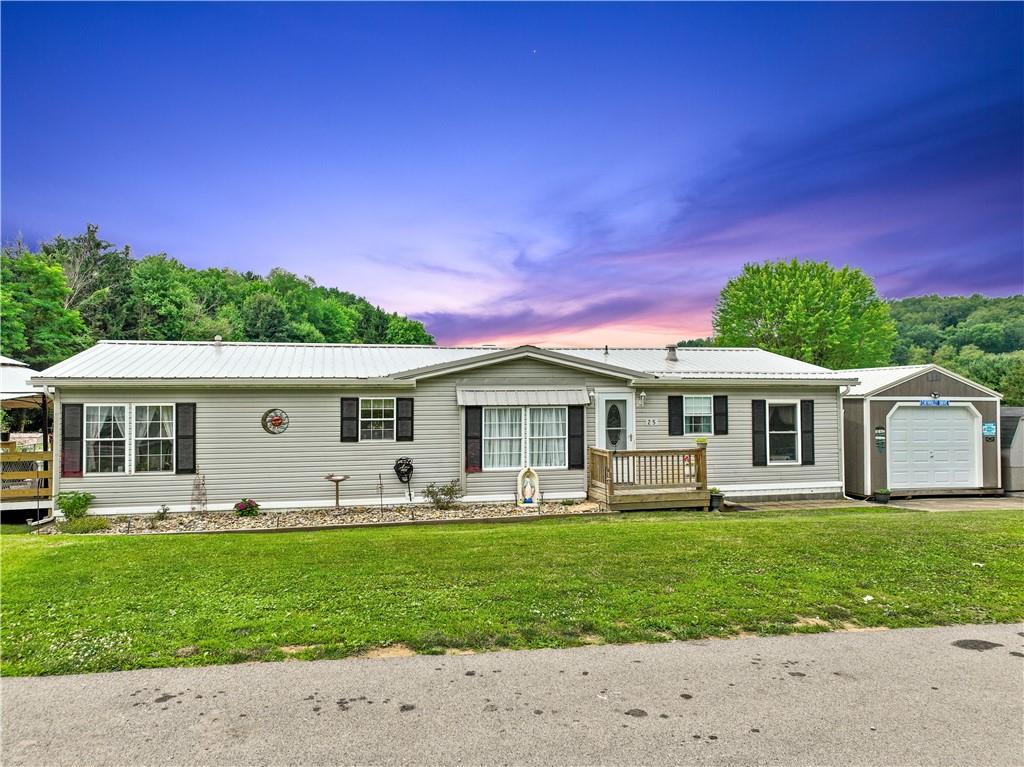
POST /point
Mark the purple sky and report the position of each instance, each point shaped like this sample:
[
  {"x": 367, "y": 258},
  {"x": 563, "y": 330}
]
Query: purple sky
[{"x": 576, "y": 174}]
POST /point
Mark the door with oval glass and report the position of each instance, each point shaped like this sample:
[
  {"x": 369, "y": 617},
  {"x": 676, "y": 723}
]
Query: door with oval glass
[{"x": 615, "y": 420}]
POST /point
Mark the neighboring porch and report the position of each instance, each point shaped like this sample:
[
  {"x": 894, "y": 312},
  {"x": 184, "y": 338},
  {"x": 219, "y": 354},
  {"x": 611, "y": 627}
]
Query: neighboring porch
[{"x": 636, "y": 480}]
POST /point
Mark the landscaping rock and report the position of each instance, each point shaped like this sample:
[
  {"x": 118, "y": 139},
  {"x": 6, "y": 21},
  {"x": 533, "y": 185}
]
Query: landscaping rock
[{"x": 213, "y": 521}]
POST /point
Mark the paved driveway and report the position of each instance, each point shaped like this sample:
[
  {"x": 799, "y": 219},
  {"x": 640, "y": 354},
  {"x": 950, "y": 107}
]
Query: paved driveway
[
  {"x": 856, "y": 698},
  {"x": 958, "y": 503}
]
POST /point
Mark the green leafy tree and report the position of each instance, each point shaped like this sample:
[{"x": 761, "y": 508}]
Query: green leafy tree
[
  {"x": 162, "y": 306},
  {"x": 36, "y": 327},
  {"x": 264, "y": 318},
  {"x": 807, "y": 310},
  {"x": 402, "y": 330}
]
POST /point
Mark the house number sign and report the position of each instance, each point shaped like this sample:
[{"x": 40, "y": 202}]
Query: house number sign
[{"x": 275, "y": 421}]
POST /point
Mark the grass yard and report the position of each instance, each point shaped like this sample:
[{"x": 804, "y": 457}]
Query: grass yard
[{"x": 76, "y": 603}]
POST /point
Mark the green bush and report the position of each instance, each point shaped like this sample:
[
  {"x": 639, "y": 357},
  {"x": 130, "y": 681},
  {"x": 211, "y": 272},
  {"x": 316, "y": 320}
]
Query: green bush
[
  {"x": 444, "y": 496},
  {"x": 74, "y": 504},
  {"x": 77, "y": 525}
]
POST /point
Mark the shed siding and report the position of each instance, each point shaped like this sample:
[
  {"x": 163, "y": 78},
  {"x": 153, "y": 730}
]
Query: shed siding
[
  {"x": 730, "y": 456},
  {"x": 853, "y": 445},
  {"x": 932, "y": 381}
]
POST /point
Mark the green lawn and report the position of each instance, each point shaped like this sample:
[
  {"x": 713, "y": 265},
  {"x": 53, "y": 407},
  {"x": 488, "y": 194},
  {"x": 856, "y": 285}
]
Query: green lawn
[{"x": 77, "y": 603}]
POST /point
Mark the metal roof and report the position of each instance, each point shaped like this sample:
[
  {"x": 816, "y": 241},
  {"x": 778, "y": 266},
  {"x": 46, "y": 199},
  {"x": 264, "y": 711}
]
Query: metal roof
[
  {"x": 875, "y": 379},
  {"x": 224, "y": 361},
  {"x": 522, "y": 395}
]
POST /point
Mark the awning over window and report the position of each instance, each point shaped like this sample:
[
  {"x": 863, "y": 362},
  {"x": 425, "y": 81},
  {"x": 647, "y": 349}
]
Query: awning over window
[{"x": 522, "y": 395}]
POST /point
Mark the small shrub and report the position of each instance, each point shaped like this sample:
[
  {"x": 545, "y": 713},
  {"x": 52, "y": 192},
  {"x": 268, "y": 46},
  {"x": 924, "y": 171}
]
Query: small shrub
[
  {"x": 79, "y": 525},
  {"x": 74, "y": 504},
  {"x": 715, "y": 491},
  {"x": 247, "y": 507},
  {"x": 444, "y": 496}
]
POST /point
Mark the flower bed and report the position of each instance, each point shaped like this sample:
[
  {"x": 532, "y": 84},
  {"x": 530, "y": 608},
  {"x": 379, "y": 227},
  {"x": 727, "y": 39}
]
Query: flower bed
[{"x": 212, "y": 521}]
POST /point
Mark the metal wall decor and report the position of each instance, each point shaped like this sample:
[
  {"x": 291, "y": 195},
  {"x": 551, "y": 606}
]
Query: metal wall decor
[{"x": 275, "y": 421}]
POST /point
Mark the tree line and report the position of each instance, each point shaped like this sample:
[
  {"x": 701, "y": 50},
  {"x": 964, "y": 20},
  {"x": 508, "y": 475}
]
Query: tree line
[
  {"x": 69, "y": 293},
  {"x": 835, "y": 318}
]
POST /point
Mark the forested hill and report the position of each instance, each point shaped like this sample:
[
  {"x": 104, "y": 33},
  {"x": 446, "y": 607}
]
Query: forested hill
[{"x": 61, "y": 298}]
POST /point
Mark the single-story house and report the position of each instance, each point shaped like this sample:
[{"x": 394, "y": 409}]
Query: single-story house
[
  {"x": 141, "y": 424},
  {"x": 920, "y": 430},
  {"x": 1011, "y": 426}
]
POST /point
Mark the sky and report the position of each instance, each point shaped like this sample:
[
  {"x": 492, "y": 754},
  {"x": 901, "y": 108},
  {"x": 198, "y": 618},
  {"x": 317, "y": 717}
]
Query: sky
[{"x": 564, "y": 174}]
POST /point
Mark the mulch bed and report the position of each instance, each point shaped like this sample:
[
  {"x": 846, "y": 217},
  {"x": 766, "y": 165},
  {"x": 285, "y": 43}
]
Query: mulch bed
[{"x": 216, "y": 521}]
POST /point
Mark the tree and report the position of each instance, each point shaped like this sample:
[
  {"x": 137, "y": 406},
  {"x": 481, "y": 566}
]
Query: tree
[
  {"x": 807, "y": 310},
  {"x": 35, "y": 326},
  {"x": 162, "y": 307},
  {"x": 264, "y": 318},
  {"x": 402, "y": 330}
]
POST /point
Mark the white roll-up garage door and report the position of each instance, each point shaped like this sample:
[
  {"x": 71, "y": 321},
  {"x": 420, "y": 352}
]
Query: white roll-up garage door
[{"x": 932, "y": 447}]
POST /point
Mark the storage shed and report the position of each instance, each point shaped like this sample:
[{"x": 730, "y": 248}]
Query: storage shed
[
  {"x": 920, "y": 430},
  {"x": 1012, "y": 437}
]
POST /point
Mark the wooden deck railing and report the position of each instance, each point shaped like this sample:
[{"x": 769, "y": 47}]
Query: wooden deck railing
[
  {"x": 634, "y": 469},
  {"x": 25, "y": 474}
]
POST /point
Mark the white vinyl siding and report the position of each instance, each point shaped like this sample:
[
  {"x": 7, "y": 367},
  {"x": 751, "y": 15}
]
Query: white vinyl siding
[
  {"x": 106, "y": 439},
  {"x": 698, "y": 415}
]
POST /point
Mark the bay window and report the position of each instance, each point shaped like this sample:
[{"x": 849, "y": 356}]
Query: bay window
[
  {"x": 105, "y": 439},
  {"x": 783, "y": 430},
  {"x": 503, "y": 437},
  {"x": 514, "y": 437}
]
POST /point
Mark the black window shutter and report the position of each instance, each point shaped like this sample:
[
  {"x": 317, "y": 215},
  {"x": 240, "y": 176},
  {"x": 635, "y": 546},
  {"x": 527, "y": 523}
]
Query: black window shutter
[
  {"x": 576, "y": 436},
  {"x": 71, "y": 440},
  {"x": 807, "y": 432},
  {"x": 185, "y": 438},
  {"x": 403, "y": 419},
  {"x": 721, "y": 410},
  {"x": 759, "y": 431},
  {"x": 350, "y": 419},
  {"x": 675, "y": 416},
  {"x": 474, "y": 439}
]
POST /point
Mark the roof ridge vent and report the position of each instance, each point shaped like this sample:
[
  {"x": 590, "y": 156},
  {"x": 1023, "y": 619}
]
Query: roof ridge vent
[{"x": 670, "y": 353}]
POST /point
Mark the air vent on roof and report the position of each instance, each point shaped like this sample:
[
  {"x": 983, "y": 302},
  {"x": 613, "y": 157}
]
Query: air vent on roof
[{"x": 670, "y": 353}]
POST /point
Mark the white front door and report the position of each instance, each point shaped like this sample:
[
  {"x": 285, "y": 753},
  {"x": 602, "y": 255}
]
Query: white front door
[
  {"x": 933, "y": 447},
  {"x": 615, "y": 420}
]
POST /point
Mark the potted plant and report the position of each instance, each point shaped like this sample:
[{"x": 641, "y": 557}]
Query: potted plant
[
  {"x": 702, "y": 443},
  {"x": 247, "y": 507},
  {"x": 716, "y": 499},
  {"x": 881, "y": 495}
]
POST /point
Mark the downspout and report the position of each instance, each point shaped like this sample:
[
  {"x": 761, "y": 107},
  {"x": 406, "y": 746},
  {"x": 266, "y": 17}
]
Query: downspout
[{"x": 842, "y": 392}]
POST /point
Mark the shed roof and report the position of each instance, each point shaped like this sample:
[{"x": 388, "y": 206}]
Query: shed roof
[
  {"x": 873, "y": 380},
  {"x": 223, "y": 361}
]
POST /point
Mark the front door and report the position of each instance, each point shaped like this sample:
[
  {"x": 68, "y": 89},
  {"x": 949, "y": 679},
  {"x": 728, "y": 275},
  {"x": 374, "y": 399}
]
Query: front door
[{"x": 615, "y": 420}]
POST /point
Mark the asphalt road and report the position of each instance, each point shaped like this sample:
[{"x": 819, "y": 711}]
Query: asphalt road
[{"x": 857, "y": 698}]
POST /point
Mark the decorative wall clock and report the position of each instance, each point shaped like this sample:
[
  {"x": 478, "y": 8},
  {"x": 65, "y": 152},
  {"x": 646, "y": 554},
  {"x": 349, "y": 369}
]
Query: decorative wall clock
[{"x": 275, "y": 421}]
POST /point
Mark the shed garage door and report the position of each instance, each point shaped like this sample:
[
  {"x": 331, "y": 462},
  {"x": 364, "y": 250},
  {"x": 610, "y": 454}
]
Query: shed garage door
[{"x": 932, "y": 447}]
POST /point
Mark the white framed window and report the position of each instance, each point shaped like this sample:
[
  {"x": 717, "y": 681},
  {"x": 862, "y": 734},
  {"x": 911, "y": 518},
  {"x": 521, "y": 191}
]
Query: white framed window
[
  {"x": 377, "y": 419},
  {"x": 502, "y": 438},
  {"x": 106, "y": 439},
  {"x": 783, "y": 432},
  {"x": 548, "y": 437},
  {"x": 153, "y": 437},
  {"x": 698, "y": 414}
]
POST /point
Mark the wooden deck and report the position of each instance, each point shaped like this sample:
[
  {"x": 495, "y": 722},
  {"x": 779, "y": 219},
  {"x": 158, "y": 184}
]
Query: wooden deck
[
  {"x": 25, "y": 475},
  {"x": 637, "y": 480}
]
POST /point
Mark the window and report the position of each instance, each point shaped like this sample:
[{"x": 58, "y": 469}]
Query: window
[
  {"x": 783, "y": 429},
  {"x": 697, "y": 414},
  {"x": 549, "y": 437},
  {"x": 105, "y": 439},
  {"x": 503, "y": 437},
  {"x": 377, "y": 419},
  {"x": 154, "y": 438}
]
